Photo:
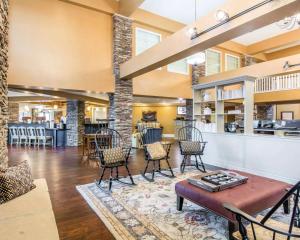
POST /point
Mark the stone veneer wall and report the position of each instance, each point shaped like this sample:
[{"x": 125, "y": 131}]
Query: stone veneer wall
[
  {"x": 75, "y": 122},
  {"x": 123, "y": 96},
  {"x": 197, "y": 72},
  {"x": 13, "y": 112},
  {"x": 264, "y": 112},
  {"x": 3, "y": 81},
  {"x": 111, "y": 109},
  {"x": 248, "y": 61}
]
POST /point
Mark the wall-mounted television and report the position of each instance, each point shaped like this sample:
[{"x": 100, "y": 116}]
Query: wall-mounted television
[{"x": 181, "y": 110}]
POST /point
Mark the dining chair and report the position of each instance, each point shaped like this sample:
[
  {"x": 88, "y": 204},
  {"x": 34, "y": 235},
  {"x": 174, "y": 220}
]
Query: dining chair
[
  {"x": 31, "y": 134},
  {"x": 14, "y": 135},
  {"x": 22, "y": 133},
  {"x": 155, "y": 151},
  {"x": 191, "y": 144},
  {"x": 41, "y": 136},
  {"x": 112, "y": 154}
]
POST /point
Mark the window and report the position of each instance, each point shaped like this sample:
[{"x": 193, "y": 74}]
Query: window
[
  {"x": 180, "y": 66},
  {"x": 213, "y": 62},
  {"x": 231, "y": 62},
  {"x": 145, "y": 39}
]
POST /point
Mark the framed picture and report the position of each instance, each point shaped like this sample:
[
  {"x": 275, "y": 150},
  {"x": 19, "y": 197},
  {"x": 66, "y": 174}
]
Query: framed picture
[
  {"x": 181, "y": 110},
  {"x": 288, "y": 115}
]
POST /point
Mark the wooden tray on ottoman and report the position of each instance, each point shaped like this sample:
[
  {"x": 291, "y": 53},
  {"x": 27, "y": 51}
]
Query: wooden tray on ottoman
[{"x": 218, "y": 180}]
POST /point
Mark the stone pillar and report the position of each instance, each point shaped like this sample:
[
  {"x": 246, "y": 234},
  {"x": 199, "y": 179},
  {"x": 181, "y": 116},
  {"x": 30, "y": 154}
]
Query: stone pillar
[
  {"x": 111, "y": 109},
  {"x": 248, "y": 61},
  {"x": 265, "y": 112},
  {"x": 197, "y": 72},
  {"x": 13, "y": 112},
  {"x": 123, "y": 97},
  {"x": 75, "y": 122},
  {"x": 189, "y": 109},
  {"x": 3, "y": 81}
]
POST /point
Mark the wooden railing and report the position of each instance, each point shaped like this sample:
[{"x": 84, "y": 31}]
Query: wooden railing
[{"x": 277, "y": 83}]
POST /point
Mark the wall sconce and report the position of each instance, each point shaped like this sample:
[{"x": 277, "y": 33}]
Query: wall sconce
[{"x": 286, "y": 66}]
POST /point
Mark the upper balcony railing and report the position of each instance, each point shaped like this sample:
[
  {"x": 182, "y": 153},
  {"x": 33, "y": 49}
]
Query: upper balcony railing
[{"x": 289, "y": 81}]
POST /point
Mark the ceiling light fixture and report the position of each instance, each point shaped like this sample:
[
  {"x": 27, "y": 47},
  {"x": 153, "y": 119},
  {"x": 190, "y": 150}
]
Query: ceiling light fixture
[
  {"x": 287, "y": 66},
  {"x": 193, "y": 30},
  {"x": 289, "y": 22},
  {"x": 196, "y": 59},
  {"x": 231, "y": 18},
  {"x": 221, "y": 16}
]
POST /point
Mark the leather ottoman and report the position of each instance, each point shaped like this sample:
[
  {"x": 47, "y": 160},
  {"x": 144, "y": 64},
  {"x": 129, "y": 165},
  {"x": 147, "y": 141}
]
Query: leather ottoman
[{"x": 258, "y": 194}]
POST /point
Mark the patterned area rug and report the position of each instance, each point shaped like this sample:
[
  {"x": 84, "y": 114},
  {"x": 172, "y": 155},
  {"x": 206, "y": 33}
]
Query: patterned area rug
[{"x": 147, "y": 211}]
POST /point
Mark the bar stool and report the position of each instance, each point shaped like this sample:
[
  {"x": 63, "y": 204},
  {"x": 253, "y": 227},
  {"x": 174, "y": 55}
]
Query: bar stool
[
  {"x": 22, "y": 135},
  {"x": 31, "y": 134},
  {"x": 41, "y": 136},
  {"x": 14, "y": 136}
]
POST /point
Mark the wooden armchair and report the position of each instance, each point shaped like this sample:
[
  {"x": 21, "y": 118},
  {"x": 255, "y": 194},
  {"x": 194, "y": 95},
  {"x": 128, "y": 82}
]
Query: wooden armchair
[
  {"x": 265, "y": 228},
  {"x": 191, "y": 144}
]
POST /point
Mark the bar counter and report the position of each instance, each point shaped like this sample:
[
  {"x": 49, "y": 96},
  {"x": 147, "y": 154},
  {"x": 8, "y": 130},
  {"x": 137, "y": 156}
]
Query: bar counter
[{"x": 59, "y": 135}]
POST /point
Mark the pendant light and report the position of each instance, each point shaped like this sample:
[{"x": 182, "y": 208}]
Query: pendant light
[{"x": 197, "y": 58}]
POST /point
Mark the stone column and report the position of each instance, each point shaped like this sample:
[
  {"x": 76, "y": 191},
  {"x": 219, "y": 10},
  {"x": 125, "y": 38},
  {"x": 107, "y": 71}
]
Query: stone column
[
  {"x": 75, "y": 122},
  {"x": 111, "y": 109},
  {"x": 189, "y": 109},
  {"x": 3, "y": 81},
  {"x": 13, "y": 112},
  {"x": 197, "y": 72},
  {"x": 265, "y": 112},
  {"x": 247, "y": 60},
  {"x": 123, "y": 97}
]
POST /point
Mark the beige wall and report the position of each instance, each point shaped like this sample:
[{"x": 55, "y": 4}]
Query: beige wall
[
  {"x": 59, "y": 45},
  {"x": 287, "y": 108},
  {"x": 54, "y": 44},
  {"x": 165, "y": 115}
]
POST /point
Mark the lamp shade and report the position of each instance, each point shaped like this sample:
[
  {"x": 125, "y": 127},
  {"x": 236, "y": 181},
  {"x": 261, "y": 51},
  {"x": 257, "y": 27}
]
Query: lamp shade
[{"x": 196, "y": 59}]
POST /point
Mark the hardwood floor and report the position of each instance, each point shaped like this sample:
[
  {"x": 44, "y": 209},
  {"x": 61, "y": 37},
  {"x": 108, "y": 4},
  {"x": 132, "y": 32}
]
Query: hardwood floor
[{"x": 63, "y": 170}]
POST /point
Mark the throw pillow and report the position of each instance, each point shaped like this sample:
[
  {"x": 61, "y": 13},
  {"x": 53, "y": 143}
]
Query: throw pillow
[
  {"x": 190, "y": 147},
  {"x": 113, "y": 155},
  {"x": 156, "y": 150},
  {"x": 15, "y": 181}
]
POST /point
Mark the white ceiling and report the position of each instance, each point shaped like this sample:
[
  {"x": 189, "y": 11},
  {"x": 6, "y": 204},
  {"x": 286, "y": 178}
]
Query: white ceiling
[
  {"x": 181, "y": 10},
  {"x": 261, "y": 34}
]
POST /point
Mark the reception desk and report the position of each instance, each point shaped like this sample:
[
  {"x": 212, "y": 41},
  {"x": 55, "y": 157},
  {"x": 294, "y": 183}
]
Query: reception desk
[{"x": 266, "y": 155}]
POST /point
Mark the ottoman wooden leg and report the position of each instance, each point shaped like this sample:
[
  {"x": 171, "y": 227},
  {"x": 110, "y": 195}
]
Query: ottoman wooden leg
[
  {"x": 179, "y": 202},
  {"x": 232, "y": 227}
]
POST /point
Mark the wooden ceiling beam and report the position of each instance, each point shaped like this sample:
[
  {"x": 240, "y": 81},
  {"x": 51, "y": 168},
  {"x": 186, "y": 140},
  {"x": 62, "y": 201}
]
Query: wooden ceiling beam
[
  {"x": 61, "y": 94},
  {"x": 128, "y": 7},
  {"x": 274, "y": 42},
  {"x": 179, "y": 45}
]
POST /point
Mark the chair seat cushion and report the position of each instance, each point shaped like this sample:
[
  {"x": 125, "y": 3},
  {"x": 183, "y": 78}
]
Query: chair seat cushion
[
  {"x": 15, "y": 181},
  {"x": 156, "y": 151},
  {"x": 113, "y": 155},
  {"x": 191, "y": 147},
  {"x": 265, "y": 234}
]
